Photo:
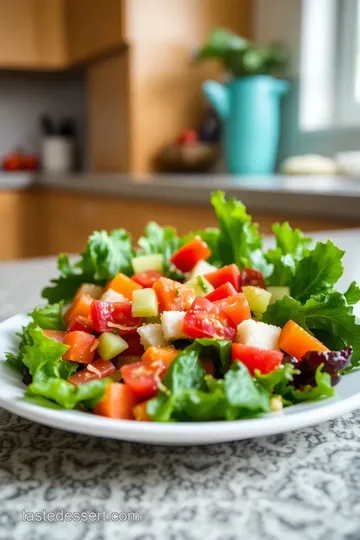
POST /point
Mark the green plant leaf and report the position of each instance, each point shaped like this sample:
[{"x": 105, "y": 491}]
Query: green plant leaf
[{"x": 49, "y": 317}]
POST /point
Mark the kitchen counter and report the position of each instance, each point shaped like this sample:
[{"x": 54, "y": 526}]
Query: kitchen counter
[
  {"x": 300, "y": 485},
  {"x": 337, "y": 197}
]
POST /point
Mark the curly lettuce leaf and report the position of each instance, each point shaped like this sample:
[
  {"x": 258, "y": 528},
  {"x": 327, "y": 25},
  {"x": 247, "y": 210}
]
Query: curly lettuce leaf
[
  {"x": 352, "y": 295},
  {"x": 328, "y": 316},
  {"x": 318, "y": 271},
  {"x": 321, "y": 390},
  {"x": 239, "y": 240},
  {"x": 49, "y": 317},
  {"x": 291, "y": 247}
]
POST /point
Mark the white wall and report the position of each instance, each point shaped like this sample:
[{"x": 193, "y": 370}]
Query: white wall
[{"x": 24, "y": 97}]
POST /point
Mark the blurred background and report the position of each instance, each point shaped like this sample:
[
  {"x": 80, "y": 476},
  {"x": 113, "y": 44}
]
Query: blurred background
[{"x": 114, "y": 112}]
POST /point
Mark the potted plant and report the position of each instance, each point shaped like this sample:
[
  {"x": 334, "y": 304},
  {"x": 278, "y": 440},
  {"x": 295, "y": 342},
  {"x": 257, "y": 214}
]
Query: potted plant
[{"x": 249, "y": 102}]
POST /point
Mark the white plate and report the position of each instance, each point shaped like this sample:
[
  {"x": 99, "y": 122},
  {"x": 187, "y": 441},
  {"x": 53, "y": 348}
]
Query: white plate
[{"x": 12, "y": 390}]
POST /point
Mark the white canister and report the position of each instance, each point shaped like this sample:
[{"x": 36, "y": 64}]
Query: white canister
[{"x": 57, "y": 154}]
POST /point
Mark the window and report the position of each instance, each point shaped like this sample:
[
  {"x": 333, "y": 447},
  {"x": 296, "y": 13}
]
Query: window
[{"x": 330, "y": 64}]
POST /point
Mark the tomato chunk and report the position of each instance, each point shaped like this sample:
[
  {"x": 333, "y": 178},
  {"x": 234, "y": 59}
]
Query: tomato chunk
[
  {"x": 296, "y": 341},
  {"x": 252, "y": 278},
  {"x": 114, "y": 315},
  {"x": 123, "y": 285},
  {"x": 221, "y": 292},
  {"x": 253, "y": 358},
  {"x": 225, "y": 274},
  {"x": 57, "y": 335},
  {"x": 206, "y": 320},
  {"x": 172, "y": 295},
  {"x": 83, "y": 324},
  {"x": 144, "y": 377},
  {"x": 82, "y": 347},
  {"x": 147, "y": 279},
  {"x": 236, "y": 308},
  {"x": 103, "y": 367},
  {"x": 118, "y": 402},
  {"x": 188, "y": 255}
]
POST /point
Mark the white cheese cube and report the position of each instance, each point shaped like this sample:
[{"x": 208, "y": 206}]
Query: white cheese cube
[
  {"x": 151, "y": 335},
  {"x": 172, "y": 325},
  {"x": 201, "y": 268},
  {"x": 258, "y": 334},
  {"x": 112, "y": 296}
]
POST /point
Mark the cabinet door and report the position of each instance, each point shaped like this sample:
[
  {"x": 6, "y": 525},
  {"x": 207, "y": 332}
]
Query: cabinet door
[
  {"x": 93, "y": 28},
  {"x": 18, "y": 36}
]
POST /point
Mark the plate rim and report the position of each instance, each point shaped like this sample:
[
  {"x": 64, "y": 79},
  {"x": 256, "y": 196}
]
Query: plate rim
[{"x": 181, "y": 433}]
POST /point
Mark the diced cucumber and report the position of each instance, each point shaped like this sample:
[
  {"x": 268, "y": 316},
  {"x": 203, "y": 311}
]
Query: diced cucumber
[
  {"x": 110, "y": 345},
  {"x": 143, "y": 263},
  {"x": 258, "y": 298},
  {"x": 278, "y": 293},
  {"x": 200, "y": 286},
  {"x": 144, "y": 303}
]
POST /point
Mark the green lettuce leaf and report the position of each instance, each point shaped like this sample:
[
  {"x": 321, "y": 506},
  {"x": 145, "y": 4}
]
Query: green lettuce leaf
[
  {"x": 105, "y": 255},
  {"x": 318, "y": 271},
  {"x": 328, "y": 316},
  {"x": 352, "y": 295},
  {"x": 322, "y": 390},
  {"x": 219, "y": 351},
  {"x": 163, "y": 241},
  {"x": 291, "y": 247},
  {"x": 49, "y": 317},
  {"x": 239, "y": 240},
  {"x": 276, "y": 381},
  {"x": 66, "y": 394}
]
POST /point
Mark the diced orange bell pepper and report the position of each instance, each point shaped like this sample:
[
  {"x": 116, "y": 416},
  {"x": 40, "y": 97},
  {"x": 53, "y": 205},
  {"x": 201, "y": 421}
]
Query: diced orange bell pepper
[
  {"x": 164, "y": 354},
  {"x": 172, "y": 295},
  {"x": 118, "y": 402},
  {"x": 140, "y": 412},
  {"x": 123, "y": 285},
  {"x": 80, "y": 307},
  {"x": 82, "y": 347},
  {"x": 296, "y": 341}
]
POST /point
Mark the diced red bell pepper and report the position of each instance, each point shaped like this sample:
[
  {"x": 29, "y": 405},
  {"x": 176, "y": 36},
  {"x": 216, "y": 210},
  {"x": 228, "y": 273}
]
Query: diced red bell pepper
[
  {"x": 221, "y": 292},
  {"x": 253, "y": 358},
  {"x": 188, "y": 255},
  {"x": 84, "y": 324},
  {"x": 106, "y": 316},
  {"x": 99, "y": 369},
  {"x": 206, "y": 320},
  {"x": 82, "y": 347},
  {"x": 225, "y": 274}
]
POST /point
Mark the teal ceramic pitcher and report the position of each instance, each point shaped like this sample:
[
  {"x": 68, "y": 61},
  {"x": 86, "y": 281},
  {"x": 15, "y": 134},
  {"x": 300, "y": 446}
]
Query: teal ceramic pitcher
[{"x": 249, "y": 108}]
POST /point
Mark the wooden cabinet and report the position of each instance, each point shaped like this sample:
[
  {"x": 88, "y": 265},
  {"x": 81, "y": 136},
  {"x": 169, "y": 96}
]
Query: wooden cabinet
[{"x": 39, "y": 222}]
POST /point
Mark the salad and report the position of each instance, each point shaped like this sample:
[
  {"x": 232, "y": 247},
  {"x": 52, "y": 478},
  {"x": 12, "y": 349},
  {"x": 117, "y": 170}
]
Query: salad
[{"x": 209, "y": 326}]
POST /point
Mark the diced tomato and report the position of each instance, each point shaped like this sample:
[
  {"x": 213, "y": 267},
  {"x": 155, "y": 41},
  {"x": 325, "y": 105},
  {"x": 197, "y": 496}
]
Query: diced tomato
[
  {"x": 140, "y": 412},
  {"x": 135, "y": 347},
  {"x": 147, "y": 279},
  {"x": 253, "y": 358},
  {"x": 172, "y": 295},
  {"x": 82, "y": 347},
  {"x": 296, "y": 341},
  {"x": 95, "y": 291},
  {"x": 123, "y": 285},
  {"x": 118, "y": 402},
  {"x": 221, "y": 292},
  {"x": 251, "y": 277},
  {"x": 80, "y": 307},
  {"x": 116, "y": 315},
  {"x": 236, "y": 308},
  {"x": 206, "y": 320},
  {"x": 144, "y": 377},
  {"x": 99, "y": 369},
  {"x": 57, "y": 335},
  {"x": 188, "y": 255},
  {"x": 83, "y": 324},
  {"x": 225, "y": 274}
]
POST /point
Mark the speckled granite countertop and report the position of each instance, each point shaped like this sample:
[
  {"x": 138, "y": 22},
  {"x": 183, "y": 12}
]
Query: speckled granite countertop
[
  {"x": 330, "y": 196},
  {"x": 302, "y": 485}
]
